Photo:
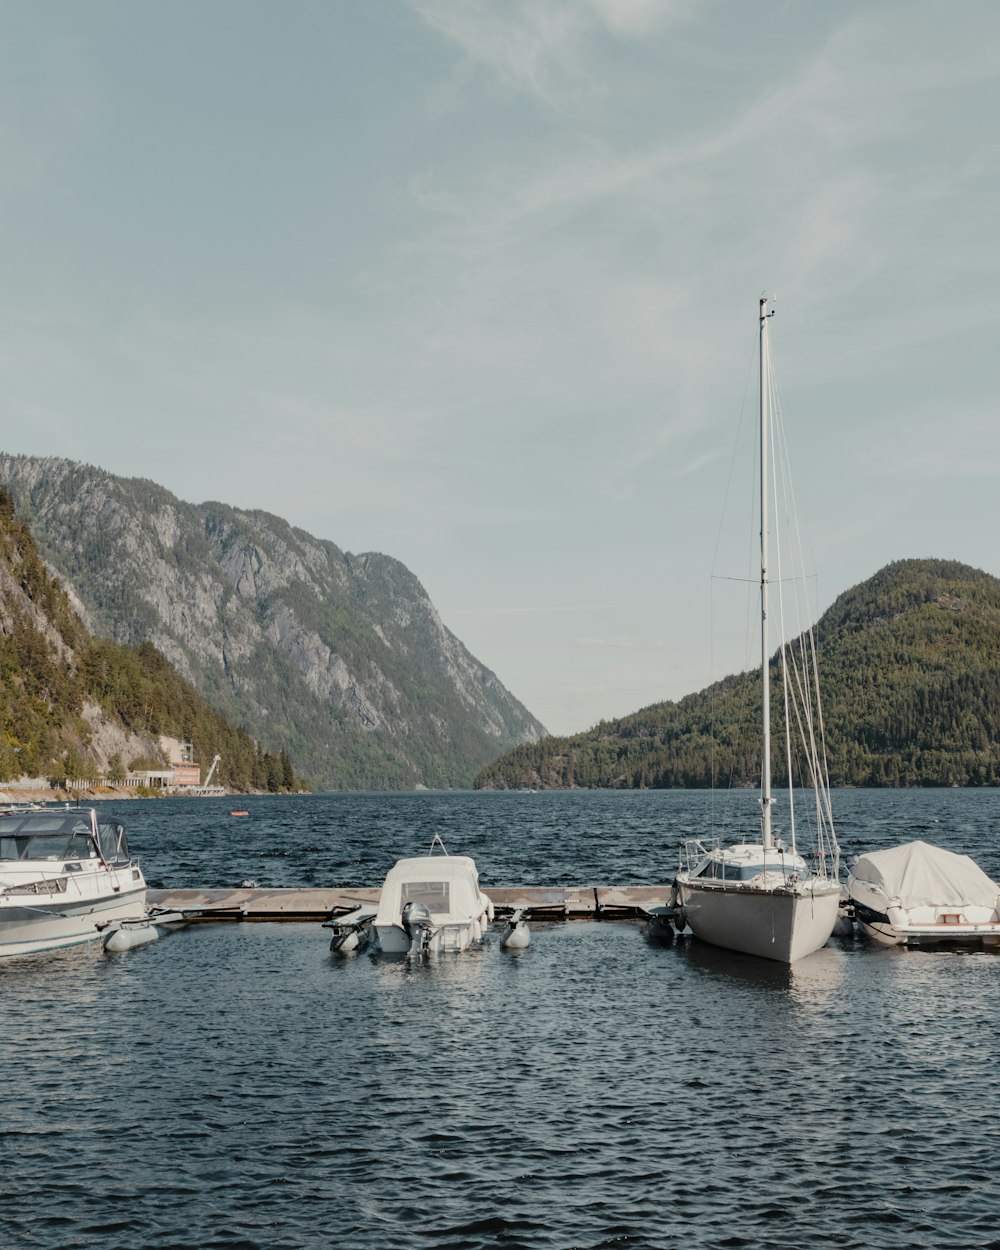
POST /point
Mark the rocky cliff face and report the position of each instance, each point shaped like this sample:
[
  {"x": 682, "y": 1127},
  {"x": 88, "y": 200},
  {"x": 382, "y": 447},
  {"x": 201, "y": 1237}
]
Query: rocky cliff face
[{"x": 340, "y": 659}]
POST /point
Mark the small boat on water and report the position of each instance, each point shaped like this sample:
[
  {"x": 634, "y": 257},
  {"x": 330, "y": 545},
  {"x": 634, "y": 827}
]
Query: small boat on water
[
  {"x": 64, "y": 875},
  {"x": 922, "y": 895},
  {"x": 431, "y": 903},
  {"x": 762, "y": 897}
]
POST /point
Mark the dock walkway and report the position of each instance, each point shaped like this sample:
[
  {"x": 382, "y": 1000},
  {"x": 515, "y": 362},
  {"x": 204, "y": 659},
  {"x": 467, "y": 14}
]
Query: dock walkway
[{"x": 585, "y": 902}]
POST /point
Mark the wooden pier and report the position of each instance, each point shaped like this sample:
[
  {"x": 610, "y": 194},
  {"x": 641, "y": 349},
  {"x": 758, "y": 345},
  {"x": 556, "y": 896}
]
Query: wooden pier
[{"x": 584, "y": 902}]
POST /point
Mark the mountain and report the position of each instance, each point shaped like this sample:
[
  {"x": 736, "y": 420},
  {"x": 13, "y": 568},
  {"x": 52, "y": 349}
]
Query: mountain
[
  {"x": 74, "y": 706},
  {"x": 910, "y": 676},
  {"x": 340, "y": 660}
]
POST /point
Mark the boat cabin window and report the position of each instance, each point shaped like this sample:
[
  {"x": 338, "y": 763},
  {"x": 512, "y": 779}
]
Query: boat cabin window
[
  {"x": 435, "y": 894},
  {"x": 46, "y": 846},
  {"x": 46, "y": 835},
  {"x": 723, "y": 871},
  {"x": 114, "y": 846},
  {"x": 42, "y": 822}
]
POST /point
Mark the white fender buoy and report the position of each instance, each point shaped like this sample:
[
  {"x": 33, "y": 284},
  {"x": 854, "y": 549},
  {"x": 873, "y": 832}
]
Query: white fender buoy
[
  {"x": 124, "y": 936},
  {"x": 345, "y": 945},
  {"x": 516, "y": 936}
]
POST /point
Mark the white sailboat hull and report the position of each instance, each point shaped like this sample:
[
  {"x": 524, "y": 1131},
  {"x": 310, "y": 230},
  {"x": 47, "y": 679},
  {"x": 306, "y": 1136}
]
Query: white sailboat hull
[{"x": 780, "y": 924}]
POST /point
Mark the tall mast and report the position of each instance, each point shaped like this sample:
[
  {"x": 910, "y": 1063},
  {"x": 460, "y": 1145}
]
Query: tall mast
[{"x": 765, "y": 727}]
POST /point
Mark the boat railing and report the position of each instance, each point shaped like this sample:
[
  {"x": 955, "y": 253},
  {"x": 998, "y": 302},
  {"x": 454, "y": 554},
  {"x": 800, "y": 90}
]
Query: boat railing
[
  {"x": 69, "y": 881},
  {"x": 36, "y": 886},
  {"x": 694, "y": 850}
]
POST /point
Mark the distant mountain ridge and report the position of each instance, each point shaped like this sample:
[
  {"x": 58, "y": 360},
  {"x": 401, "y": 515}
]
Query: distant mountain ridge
[
  {"x": 910, "y": 675},
  {"x": 341, "y": 660}
]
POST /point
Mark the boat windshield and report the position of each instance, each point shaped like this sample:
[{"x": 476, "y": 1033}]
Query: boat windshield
[
  {"x": 724, "y": 871},
  {"x": 435, "y": 894},
  {"x": 46, "y": 836},
  {"x": 60, "y": 836}
]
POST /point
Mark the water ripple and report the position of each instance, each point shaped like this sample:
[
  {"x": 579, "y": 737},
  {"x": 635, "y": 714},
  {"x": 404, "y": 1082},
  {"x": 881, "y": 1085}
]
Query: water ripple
[{"x": 238, "y": 1088}]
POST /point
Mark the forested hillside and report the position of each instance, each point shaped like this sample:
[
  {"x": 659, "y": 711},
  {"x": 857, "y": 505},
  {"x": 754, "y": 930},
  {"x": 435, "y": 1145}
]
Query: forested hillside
[
  {"x": 910, "y": 674},
  {"x": 340, "y": 659},
  {"x": 65, "y": 695}
]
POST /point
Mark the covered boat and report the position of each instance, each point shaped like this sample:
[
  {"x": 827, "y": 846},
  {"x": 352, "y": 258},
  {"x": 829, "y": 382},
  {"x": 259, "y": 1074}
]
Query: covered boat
[
  {"x": 431, "y": 903},
  {"x": 65, "y": 874},
  {"x": 922, "y": 895}
]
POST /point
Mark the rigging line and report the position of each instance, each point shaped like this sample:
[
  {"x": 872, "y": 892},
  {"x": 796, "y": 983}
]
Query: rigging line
[
  {"x": 712, "y": 698},
  {"x": 776, "y": 454},
  {"x": 827, "y": 797},
  {"x": 806, "y": 613},
  {"x": 715, "y": 558},
  {"x": 803, "y": 546},
  {"x": 772, "y": 581},
  {"x": 736, "y": 443},
  {"x": 814, "y": 744},
  {"x": 797, "y": 675},
  {"x": 808, "y": 709}
]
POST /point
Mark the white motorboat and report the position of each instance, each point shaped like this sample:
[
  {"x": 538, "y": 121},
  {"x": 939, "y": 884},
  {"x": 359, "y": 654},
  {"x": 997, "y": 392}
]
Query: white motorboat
[
  {"x": 64, "y": 875},
  {"x": 431, "y": 903},
  {"x": 762, "y": 897},
  {"x": 922, "y": 895}
]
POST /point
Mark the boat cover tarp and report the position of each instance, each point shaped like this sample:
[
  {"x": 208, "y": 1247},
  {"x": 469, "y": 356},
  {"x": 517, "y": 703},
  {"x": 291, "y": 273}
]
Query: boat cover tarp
[
  {"x": 458, "y": 871},
  {"x": 921, "y": 875}
]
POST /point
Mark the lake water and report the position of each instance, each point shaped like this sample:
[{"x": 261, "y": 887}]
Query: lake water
[{"x": 237, "y": 1087}]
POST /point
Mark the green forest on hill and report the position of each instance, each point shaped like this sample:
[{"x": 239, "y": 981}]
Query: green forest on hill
[
  {"x": 910, "y": 676},
  {"x": 50, "y": 667}
]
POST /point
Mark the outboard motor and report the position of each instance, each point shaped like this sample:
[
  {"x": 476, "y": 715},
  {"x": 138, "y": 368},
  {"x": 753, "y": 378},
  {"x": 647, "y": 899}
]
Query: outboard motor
[
  {"x": 677, "y": 908},
  {"x": 350, "y": 931},
  {"x": 416, "y": 919},
  {"x": 345, "y": 938},
  {"x": 659, "y": 927}
]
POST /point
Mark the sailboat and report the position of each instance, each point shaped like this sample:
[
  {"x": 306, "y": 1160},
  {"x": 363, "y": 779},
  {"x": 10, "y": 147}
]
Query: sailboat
[{"x": 762, "y": 897}]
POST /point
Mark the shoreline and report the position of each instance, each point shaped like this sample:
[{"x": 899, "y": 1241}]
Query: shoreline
[{"x": 54, "y": 794}]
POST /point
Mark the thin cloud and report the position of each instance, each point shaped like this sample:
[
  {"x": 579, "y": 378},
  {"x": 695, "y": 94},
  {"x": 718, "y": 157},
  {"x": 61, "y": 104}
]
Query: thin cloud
[{"x": 542, "y": 47}]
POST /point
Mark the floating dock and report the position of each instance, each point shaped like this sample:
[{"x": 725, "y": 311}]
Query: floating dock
[{"x": 584, "y": 902}]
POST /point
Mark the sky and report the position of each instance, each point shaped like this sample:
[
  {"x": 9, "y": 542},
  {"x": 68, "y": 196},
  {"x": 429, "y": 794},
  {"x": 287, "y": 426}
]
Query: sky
[{"x": 474, "y": 283}]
